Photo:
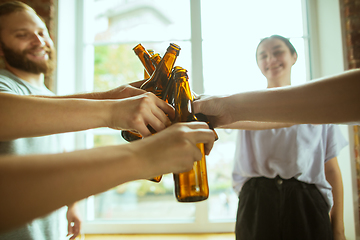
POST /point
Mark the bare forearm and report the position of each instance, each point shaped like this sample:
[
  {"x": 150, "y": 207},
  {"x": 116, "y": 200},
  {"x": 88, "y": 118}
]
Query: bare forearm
[
  {"x": 120, "y": 92},
  {"x": 26, "y": 116},
  {"x": 48, "y": 182},
  {"x": 252, "y": 125},
  {"x": 331, "y": 100},
  {"x": 333, "y": 176},
  {"x": 74, "y": 176}
]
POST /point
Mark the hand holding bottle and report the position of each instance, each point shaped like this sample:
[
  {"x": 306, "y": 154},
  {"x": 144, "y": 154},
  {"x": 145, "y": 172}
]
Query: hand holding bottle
[
  {"x": 215, "y": 109},
  {"x": 124, "y": 91},
  {"x": 136, "y": 113},
  {"x": 173, "y": 150}
]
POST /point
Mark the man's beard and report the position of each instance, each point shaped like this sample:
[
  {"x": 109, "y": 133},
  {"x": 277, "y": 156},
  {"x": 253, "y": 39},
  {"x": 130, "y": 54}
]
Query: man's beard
[{"x": 19, "y": 60}]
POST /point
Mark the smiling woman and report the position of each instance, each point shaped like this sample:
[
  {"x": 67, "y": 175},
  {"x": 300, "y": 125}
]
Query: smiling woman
[{"x": 275, "y": 57}]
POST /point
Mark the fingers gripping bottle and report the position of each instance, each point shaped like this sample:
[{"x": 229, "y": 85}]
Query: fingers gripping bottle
[
  {"x": 159, "y": 80},
  {"x": 157, "y": 84},
  {"x": 149, "y": 68},
  {"x": 191, "y": 186}
]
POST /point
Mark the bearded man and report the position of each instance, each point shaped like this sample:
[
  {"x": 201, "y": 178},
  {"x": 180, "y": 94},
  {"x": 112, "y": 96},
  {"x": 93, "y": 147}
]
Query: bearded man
[{"x": 28, "y": 53}]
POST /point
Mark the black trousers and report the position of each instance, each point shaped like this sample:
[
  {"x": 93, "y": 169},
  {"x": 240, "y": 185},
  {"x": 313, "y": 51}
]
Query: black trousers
[{"x": 279, "y": 209}]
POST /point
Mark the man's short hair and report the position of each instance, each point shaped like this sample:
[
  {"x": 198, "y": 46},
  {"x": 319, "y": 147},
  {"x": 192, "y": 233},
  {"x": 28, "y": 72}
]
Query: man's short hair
[{"x": 7, "y": 8}]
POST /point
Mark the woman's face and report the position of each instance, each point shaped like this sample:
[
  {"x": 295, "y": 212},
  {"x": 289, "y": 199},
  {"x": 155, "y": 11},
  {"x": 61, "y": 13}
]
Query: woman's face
[{"x": 275, "y": 61}]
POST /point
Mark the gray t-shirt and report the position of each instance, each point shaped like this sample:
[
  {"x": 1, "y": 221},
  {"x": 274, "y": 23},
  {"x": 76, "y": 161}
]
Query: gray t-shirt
[{"x": 47, "y": 227}]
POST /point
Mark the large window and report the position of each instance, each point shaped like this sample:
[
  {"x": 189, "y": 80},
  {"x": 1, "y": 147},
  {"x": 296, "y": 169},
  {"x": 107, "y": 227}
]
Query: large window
[{"x": 218, "y": 41}]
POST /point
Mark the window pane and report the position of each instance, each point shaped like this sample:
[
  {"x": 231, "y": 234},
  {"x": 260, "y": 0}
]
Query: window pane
[
  {"x": 117, "y": 64},
  {"x": 129, "y": 21},
  {"x": 222, "y": 200},
  {"x": 230, "y": 40},
  {"x": 231, "y": 31},
  {"x": 142, "y": 200},
  {"x": 231, "y": 20}
]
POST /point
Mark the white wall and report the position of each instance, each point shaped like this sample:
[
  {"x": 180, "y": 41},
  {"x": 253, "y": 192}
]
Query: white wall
[{"x": 328, "y": 59}]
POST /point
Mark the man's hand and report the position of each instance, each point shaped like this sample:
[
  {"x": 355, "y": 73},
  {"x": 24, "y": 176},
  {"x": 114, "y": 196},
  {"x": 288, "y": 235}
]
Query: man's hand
[
  {"x": 135, "y": 113},
  {"x": 74, "y": 221},
  {"x": 124, "y": 91},
  {"x": 213, "y": 109},
  {"x": 173, "y": 150}
]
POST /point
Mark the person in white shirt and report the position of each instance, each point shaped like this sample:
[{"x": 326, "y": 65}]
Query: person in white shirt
[{"x": 287, "y": 177}]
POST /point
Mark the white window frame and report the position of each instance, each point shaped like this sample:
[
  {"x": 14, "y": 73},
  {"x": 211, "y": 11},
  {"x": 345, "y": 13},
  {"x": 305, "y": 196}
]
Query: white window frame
[{"x": 70, "y": 75}]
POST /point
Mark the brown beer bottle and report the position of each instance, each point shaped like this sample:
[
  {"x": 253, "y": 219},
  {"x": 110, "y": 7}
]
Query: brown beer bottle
[
  {"x": 155, "y": 59},
  {"x": 129, "y": 135},
  {"x": 157, "y": 85},
  {"x": 144, "y": 57},
  {"x": 159, "y": 79},
  {"x": 151, "y": 53},
  {"x": 152, "y": 57},
  {"x": 191, "y": 186}
]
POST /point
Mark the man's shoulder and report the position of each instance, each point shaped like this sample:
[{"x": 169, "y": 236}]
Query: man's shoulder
[
  {"x": 6, "y": 76},
  {"x": 10, "y": 84}
]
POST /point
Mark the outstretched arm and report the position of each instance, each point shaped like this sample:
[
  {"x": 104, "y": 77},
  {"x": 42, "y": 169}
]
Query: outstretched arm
[
  {"x": 252, "y": 125},
  {"x": 333, "y": 176},
  {"x": 48, "y": 182},
  {"x": 30, "y": 116},
  {"x": 120, "y": 92},
  {"x": 333, "y": 99}
]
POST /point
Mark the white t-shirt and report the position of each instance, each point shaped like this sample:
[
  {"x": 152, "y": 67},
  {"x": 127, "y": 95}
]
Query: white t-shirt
[{"x": 298, "y": 151}]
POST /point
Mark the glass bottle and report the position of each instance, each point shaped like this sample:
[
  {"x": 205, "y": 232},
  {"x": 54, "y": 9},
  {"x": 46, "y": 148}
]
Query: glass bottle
[
  {"x": 151, "y": 53},
  {"x": 157, "y": 84},
  {"x": 144, "y": 57},
  {"x": 191, "y": 186},
  {"x": 158, "y": 80},
  {"x": 155, "y": 59}
]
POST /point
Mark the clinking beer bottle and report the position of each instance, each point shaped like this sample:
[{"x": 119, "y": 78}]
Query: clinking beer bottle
[
  {"x": 144, "y": 57},
  {"x": 151, "y": 53},
  {"x": 155, "y": 59},
  {"x": 191, "y": 186},
  {"x": 157, "y": 85},
  {"x": 149, "y": 68},
  {"x": 158, "y": 80}
]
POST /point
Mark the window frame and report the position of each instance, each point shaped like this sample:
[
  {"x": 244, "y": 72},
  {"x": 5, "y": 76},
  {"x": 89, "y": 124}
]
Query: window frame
[{"x": 71, "y": 71}]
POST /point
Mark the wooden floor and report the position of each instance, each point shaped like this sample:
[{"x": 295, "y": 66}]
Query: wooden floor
[{"x": 213, "y": 236}]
